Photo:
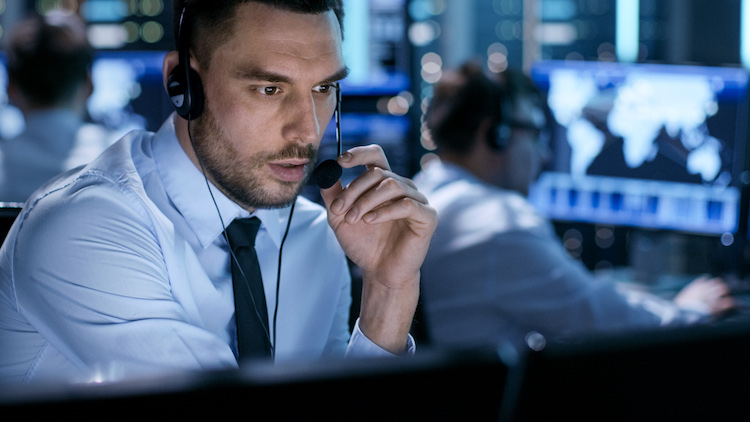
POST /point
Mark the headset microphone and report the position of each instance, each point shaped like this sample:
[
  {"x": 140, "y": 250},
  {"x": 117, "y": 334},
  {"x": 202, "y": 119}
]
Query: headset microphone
[{"x": 329, "y": 171}]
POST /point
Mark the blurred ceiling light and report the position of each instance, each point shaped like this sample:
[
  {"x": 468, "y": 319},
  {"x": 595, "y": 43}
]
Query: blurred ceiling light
[
  {"x": 556, "y": 33},
  {"x": 398, "y": 106},
  {"x": 107, "y": 35},
  {"x": 423, "y": 33}
]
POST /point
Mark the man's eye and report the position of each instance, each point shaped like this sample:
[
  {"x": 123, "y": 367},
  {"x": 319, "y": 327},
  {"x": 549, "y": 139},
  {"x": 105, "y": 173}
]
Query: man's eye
[
  {"x": 325, "y": 89},
  {"x": 270, "y": 90}
]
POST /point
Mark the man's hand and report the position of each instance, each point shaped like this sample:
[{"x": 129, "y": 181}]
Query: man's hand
[
  {"x": 710, "y": 294},
  {"x": 384, "y": 225}
]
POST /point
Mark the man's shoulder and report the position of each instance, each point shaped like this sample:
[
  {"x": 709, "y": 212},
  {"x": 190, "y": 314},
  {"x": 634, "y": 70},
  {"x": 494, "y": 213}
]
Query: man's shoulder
[
  {"x": 116, "y": 166},
  {"x": 85, "y": 212},
  {"x": 110, "y": 182}
]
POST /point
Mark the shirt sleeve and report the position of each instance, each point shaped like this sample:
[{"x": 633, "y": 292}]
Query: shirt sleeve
[
  {"x": 90, "y": 277},
  {"x": 361, "y": 346},
  {"x": 538, "y": 283},
  {"x": 507, "y": 285}
]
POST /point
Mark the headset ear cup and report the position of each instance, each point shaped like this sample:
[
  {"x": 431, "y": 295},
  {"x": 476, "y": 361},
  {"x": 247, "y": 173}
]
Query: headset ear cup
[
  {"x": 196, "y": 94},
  {"x": 187, "y": 98},
  {"x": 499, "y": 137},
  {"x": 501, "y": 133},
  {"x": 177, "y": 91}
]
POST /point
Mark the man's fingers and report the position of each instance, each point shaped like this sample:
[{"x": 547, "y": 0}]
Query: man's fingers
[
  {"x": 422, "y": 218},
  {"x": 384, "y": 198},
  {"x": 376, "y": 189},
  {"x": 370, "y": 156},
  {"x": 329, "y": 195},
  {"x": 371, "y": 190}
]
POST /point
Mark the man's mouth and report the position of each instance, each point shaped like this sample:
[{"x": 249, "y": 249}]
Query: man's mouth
[{"x": 289, "y": 170}]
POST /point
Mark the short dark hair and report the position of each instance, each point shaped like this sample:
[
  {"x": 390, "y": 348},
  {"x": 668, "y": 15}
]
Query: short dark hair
[
  {"x": 48, "y": 58},
  {"x": 212, "y": 16},
  {"x": 463, "y": 98}
]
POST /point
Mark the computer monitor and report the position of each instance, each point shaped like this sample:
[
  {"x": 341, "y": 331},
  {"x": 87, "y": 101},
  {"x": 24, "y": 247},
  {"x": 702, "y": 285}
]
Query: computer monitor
[
  {"x": 683, "y": 373},
  {"x": 129, "y": 90},
  {"x": 429, "y": 386},
  {"x": 644, "y": 145}
]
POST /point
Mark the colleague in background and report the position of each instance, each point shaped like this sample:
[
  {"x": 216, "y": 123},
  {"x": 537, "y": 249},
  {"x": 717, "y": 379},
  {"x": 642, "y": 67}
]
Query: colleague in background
[
  {"x": 49, "y": 63},
  {"x": 123, "y": 268},
  {"x": 495, "y": 269}
]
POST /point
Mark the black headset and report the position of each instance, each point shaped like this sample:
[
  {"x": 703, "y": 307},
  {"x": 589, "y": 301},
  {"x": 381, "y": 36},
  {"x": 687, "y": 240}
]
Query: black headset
[
  {"x": 500, "y": 134},
  {"x": 184, "y": 85}
]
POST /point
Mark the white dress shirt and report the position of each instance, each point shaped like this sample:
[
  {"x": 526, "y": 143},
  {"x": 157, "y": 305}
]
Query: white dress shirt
[
  {"x": 496, "y": 271},
  {"x": 119, "y": 269}
]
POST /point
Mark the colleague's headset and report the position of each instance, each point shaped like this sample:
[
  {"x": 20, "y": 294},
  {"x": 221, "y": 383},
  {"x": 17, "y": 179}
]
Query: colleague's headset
[
  {"x": 185, "y": 90},
  {"x": 499, "y": 135}
]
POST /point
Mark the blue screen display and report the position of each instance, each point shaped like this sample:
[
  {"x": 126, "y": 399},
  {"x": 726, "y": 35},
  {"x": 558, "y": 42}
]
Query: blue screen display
[{"x": 644, "y": 145}]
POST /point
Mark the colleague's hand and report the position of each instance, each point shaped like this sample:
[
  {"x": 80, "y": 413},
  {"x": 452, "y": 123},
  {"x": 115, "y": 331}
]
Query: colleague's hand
[
  {"x": 710, "y": 294},
  {"x": 384, "y": 225}
]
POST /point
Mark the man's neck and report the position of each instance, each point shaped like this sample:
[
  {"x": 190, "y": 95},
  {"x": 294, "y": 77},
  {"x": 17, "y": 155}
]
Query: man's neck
[{"x": 475, "y": 164}]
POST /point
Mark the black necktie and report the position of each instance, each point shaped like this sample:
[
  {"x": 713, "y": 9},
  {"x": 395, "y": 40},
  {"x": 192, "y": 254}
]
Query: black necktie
[{"x": 251, "y": 314}]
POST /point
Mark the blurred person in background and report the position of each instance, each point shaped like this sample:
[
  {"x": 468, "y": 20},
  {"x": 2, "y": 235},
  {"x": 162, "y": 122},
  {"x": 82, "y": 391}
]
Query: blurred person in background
[
  {"x": 49, "y": 79},
  {"x": 496, "y": 270}
]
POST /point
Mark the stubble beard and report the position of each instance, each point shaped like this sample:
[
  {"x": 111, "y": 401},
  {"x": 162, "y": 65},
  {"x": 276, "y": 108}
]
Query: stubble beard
[{"x": 242, "y": 180}]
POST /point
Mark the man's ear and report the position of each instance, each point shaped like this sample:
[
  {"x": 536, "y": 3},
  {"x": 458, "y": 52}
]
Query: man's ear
[
  {"x": 484, "y": 135},
  {"x": 13, "y": 92},
  {"x": 171, "y": 60},
  {"x": 88, "y": 86},
  {"x": 82, "y": 94},
  {"x": 16, "y": 97}
]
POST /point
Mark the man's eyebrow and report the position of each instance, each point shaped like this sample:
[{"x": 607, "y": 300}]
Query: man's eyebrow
[
  {"x": 341, "y": 74},
  {"x": 258, "y": 74}
]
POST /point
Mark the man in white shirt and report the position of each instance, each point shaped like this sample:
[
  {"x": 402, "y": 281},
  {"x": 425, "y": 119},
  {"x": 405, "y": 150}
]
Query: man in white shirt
[
  {"x": 496, "y": 270},
  {"x": 120, "y": 269}
]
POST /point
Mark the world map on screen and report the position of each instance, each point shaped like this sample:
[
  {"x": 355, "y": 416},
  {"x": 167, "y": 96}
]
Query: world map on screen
[{"x": 638, "y": 110}]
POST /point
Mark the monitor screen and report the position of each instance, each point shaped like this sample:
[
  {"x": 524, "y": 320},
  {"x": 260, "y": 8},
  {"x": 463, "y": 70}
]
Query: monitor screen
[
  {"x": 375, "y": 47},
  {"x": 128, "y": 93},
  {"x": 677, "y": 373},
  {"x": 644, "y": 145},
  {"x": 129, "y": 90},
  {"x": 423, "y": 387}
]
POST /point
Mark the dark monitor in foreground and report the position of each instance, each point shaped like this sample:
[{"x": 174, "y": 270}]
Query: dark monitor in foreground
[
  {"x": 694, "y": 373},
  {"x": 644, "y": 145},
  {"x": 426, "y": 387}
]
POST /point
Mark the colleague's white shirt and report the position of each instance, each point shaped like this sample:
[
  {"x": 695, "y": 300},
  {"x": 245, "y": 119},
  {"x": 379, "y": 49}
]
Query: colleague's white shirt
[
  {"x": 496, "y": 270},
  {"x": 55, "y": 140},
  {"x": 119, "y": 269}
]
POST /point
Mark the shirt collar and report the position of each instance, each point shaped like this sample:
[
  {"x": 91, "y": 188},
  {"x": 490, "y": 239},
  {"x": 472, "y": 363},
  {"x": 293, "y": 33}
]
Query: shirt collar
[
  {"x": 446, "y": 172},
  {"x": 186, "y": 186}
]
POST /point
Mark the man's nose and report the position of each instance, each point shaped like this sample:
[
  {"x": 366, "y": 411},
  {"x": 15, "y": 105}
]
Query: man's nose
[{"x": 303, "y": 125}]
